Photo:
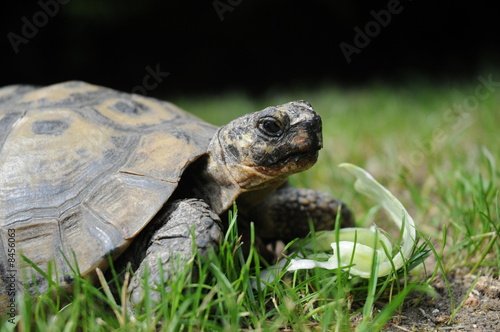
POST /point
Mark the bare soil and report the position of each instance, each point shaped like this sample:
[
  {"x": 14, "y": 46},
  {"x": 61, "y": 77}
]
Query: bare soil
[{"x": 478, "y": 299}]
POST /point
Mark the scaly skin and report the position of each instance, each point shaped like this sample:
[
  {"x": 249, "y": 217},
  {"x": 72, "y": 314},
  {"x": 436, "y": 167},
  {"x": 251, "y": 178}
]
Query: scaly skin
[
  {"x": 171, "y": 244},
  {"x": 286, "y": 212}
]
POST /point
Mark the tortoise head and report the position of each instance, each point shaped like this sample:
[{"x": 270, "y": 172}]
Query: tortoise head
[
  {"x": 259, "y": 150},
  {"x": 263, "y": 147}
]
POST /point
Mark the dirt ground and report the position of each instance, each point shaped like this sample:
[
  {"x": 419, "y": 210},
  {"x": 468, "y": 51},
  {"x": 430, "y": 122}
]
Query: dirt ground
[{"x": 479, "y": 311}]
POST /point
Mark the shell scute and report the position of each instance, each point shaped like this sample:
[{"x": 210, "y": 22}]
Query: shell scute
[{"x": 83, "y": 169}]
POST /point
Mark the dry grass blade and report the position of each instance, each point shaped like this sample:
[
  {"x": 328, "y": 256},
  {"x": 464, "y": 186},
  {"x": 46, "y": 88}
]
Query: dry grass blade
[{"x": 114, "y": 306}]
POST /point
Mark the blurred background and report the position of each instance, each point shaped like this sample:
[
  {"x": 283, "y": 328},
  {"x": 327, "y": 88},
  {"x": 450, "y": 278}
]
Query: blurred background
[{"x": 207, "y": 47}]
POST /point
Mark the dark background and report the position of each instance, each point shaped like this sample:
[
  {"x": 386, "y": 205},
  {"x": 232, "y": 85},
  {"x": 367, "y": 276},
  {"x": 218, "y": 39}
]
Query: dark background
[{"x": 258, "y": 44}]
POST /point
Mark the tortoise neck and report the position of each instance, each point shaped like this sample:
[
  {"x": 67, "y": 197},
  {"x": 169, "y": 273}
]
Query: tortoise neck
[{"x": 215, "y": 185}]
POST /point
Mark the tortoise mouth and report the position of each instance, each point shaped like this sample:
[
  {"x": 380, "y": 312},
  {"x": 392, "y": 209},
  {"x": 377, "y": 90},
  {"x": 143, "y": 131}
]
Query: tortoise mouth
[
  {"x": 310, "y": 155},
  {"x": 294, "y": 162}
]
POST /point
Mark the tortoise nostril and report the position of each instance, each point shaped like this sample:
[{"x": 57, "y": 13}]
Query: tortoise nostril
[
  {"x": 317, "y": 122},
  {"x": 316, "y": 131}
]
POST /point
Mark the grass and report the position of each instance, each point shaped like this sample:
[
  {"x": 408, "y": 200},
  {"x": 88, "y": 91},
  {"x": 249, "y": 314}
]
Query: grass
[{"x": 441, "y": 164}]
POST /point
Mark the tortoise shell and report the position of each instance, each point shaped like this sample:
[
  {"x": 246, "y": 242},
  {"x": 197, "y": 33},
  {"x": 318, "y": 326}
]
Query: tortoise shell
[{"x": 83, "y": 169}]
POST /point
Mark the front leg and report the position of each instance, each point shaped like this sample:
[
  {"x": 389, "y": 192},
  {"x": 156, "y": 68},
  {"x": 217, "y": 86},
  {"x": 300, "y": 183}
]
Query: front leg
[
  {"x": 285, "y": 214},
  {"x": 171, "y": 242}
]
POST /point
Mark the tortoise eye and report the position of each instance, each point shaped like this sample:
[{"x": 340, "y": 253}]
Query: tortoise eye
[{"x": 271, "y": 127}]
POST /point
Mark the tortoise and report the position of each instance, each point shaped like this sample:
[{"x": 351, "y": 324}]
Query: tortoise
[{"x": 88, "y": 173}]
